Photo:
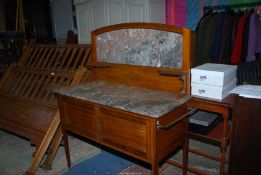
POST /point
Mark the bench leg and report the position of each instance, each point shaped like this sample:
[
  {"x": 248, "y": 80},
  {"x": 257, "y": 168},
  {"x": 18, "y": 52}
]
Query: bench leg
[{"x": 44, "y": 145}]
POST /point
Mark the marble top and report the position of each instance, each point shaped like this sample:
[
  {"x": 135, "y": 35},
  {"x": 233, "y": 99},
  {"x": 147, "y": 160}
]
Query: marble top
[{"x": 142, "y": 101}]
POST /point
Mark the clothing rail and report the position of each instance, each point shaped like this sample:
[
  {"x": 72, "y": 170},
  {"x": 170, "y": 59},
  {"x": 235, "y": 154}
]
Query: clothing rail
[{"x": 220, "y": 7}]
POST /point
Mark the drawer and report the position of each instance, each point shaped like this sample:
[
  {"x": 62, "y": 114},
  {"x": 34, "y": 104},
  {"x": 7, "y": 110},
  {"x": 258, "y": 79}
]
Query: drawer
[
  {"x": 127, "y": 132},
  {"x": 80, "y": 118}
]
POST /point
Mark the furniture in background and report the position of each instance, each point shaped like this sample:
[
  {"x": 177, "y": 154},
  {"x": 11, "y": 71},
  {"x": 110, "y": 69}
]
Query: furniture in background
[
  {"x": 245, "y": 139},
  {"x": 135, "y": 98},
  {"x": 28, "y": 106},
  {"x": 11, "y": 47},
  {"x": 220, "y": 133},
  {"x": 93, "y": 14}
]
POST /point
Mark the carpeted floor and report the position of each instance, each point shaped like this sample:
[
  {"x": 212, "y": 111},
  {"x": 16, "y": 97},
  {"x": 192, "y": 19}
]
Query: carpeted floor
[
  {"x": 103, "y": 163},
  {"x": 16, "y": 156}
]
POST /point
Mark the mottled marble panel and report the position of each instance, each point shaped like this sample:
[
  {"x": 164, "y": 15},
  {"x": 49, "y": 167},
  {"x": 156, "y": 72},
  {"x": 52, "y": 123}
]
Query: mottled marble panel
[
  {"x": 145, "y": 47},
  {"x": 133, "y": 99}
]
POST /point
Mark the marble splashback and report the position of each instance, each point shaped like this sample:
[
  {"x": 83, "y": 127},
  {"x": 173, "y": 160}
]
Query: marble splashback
[
  {"x": 133, "y": 99},
  {"x": 145, "y": 47}
]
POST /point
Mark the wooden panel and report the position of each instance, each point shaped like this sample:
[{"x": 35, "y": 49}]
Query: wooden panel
[
  {"x": 245, "y": 139},
  {"x": 80, "y": 117},
  {"x": 146, "y": 77},
  {"x": 130, "y": 133},
  {"x": 27, "y": 119},
  {"x": 170, "y": 139}
]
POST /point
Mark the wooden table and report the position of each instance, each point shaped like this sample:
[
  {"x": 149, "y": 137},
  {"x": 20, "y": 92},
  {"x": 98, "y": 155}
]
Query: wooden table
[{"x": 145, "y": 124}]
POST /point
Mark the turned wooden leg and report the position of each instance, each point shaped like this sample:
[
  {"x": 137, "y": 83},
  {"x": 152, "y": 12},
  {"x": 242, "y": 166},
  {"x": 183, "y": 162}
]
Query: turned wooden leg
[
  {"x": 223, "y": 148},
  {"x": 185, "y": 151}
]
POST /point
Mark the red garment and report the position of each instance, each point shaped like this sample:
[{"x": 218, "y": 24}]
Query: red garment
[{"x": 238, "y": 42}]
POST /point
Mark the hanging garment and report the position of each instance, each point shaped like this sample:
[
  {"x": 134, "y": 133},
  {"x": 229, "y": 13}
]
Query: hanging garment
[
  {"x": 254, "y": 37},
  {"x": 204, "y": 37},
  {"x": 216, "y": 44},
  {"x": 229, "y": 24},
  {"x": 245, "y": 37},
  {"x": 238, "y": 42}
]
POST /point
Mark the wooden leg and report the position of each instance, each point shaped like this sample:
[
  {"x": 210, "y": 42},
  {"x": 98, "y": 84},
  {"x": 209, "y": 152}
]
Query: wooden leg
[
  {"x": 44, "y": 145},
  {"x": 185, "y": 151},
  {"x": 155, "y": 168},
  {"x": 223, "y": 147},
  {"x": 66, "y": 148},
  {"x": 47, "y": 165}
]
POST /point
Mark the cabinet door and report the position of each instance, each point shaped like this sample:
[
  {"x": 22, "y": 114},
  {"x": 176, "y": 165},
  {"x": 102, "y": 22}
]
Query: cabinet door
[
  {"x": 97, "y": 14},
  {"x": 137, "y": 11},
  {"x": 114, "y": 11},
  {"x": 83, "y": 23},
  {"x": 157, "y": 11},
  {"x": 89, "y": 15},
  {"x": 126, "y": 132}
]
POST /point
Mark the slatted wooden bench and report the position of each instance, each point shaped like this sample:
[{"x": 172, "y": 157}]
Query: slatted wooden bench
[{"x": 28, "y": 106}]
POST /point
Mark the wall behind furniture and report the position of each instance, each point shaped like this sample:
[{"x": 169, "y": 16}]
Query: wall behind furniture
[{"x": 62, "y": 19}]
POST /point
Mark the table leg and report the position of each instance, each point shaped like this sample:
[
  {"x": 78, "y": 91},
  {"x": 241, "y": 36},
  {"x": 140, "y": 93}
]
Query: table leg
[
  {"x": 155, "y": 168},
  {"x": 185, "y": 151},
  {"x": 224, "y": 144},
  {"x": 66, "y": 148}
]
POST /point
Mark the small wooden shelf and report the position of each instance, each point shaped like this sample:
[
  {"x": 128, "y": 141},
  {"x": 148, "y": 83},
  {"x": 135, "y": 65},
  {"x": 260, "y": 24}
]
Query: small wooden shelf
[
  {"x": 214, "y": 134},
  {"x": 220, "y": 133}
]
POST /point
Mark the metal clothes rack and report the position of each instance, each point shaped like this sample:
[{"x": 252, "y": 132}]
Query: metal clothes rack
[{"x": 221, "y": 7}]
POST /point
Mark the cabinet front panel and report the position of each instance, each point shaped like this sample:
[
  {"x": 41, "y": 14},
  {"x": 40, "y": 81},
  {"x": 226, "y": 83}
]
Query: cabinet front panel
[
  {"x": 114, "y": 11},
  {"x": 81, "y": 119},
  {"x": 135, "y": 10},
  {"x": 126, "y": 132}
]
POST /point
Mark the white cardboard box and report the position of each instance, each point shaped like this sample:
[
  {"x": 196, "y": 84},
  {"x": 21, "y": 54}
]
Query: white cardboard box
[
  {"x": 211, "y": 91},
  {"x": 213, "y": 74}
]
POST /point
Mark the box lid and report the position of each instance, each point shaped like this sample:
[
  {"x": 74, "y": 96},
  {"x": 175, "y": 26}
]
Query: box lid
[{"x": 213, "y": 69}]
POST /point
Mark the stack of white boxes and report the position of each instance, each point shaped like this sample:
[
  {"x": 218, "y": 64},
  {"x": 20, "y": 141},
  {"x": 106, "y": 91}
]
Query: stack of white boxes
[{"x": 213, "y": 80}]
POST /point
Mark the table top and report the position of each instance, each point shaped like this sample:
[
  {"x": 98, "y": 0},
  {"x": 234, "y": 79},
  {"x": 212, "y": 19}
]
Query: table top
[{"x": 142, "y": 101}]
